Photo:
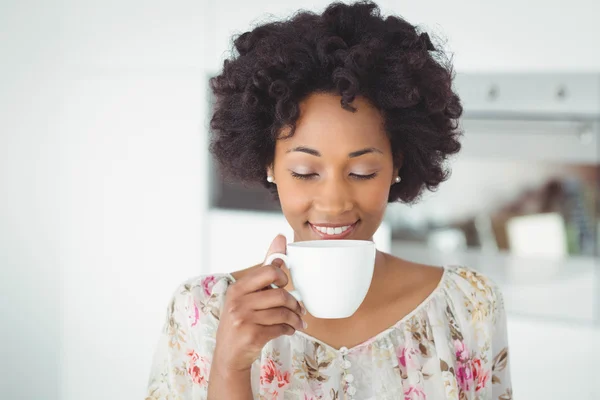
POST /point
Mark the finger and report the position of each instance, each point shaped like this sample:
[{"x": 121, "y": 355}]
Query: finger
[
  {"x": 270, "y": 332},
  {"x": 278, "y": 315},
  {"x": 278, "y": 245},
  {"x": 260, "y": 278},
  {"x": 273, "y": 298}
]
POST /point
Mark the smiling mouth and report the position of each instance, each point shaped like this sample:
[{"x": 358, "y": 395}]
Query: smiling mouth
[{"x": 333, "y": 231}]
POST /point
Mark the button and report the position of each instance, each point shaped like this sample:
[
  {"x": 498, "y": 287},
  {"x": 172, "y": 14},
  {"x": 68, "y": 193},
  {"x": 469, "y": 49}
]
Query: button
[
  {"x": 344, "y": 350},
  {"x": 349, "y": 378},
  {"x": 346, "y": 364},
  {"x": 351, "y": 390}
]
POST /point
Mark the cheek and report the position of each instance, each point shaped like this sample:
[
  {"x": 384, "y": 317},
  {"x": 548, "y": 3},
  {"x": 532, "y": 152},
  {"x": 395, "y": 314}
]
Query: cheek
[
  {"x": 293, "y": 200},
  {"x": 373, "y": 200}
]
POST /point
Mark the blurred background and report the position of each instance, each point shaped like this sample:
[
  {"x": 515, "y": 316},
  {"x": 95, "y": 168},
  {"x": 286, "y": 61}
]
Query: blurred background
[{"x": 109, "y": 198}]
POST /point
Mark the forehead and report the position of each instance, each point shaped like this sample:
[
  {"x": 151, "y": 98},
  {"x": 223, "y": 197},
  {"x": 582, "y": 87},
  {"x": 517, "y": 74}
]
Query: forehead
[{"x": 323, "y": 123}]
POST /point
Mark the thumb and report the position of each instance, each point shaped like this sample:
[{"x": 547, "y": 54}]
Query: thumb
[{"x": 278, "y": 245}]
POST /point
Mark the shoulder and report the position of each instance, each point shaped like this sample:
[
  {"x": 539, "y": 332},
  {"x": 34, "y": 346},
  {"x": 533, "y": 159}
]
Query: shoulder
[
  {"x": 203, "y": 287},
  {"x": 471, "y": 282},
  {"x": 182, "y": 357},
  {"x": 198, "y": 296},
  {"x": 475, "y": 290}
]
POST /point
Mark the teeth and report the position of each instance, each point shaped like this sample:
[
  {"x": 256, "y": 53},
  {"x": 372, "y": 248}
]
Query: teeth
[{"x": 332, "y": 231}]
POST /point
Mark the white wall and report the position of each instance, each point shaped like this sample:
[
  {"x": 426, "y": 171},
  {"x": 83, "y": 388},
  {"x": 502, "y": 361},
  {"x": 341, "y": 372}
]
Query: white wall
[
  {"x": 134, "y": 142},
  {"x": 102, "y": 168},
  {"x": 102, "y": 163},
  {"x": 553, "y": 360},
  {"x": 29, "y": 253},
  {"x": 132, "y": 221}
]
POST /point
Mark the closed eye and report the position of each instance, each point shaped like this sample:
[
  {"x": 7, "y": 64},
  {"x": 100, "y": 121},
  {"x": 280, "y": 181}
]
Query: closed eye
[
  {"x": 310, "y": 176},
  {"x": 364, "y": 177},
  {"x": 302, "y": 176}
]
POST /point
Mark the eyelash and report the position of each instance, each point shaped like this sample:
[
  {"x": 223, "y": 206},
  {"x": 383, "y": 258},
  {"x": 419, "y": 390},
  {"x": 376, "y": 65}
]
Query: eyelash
[{"x": 310, "y": 176}]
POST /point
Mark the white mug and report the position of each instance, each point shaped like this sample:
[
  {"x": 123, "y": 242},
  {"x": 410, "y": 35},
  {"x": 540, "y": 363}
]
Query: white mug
[{"x": 330, "y": 277}]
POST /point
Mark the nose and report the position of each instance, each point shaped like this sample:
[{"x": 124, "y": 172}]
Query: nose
[{"x": 333, "y": 197}]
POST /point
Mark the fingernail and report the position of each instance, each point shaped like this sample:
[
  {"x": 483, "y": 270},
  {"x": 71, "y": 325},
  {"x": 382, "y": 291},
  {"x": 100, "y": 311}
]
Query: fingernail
[
  {"x": 303, "y": 310},
  {"x": 304, "y": 324}
]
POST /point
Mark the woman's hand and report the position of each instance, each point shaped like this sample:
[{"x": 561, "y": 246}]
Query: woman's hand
[{"x": 253, "y": 315}]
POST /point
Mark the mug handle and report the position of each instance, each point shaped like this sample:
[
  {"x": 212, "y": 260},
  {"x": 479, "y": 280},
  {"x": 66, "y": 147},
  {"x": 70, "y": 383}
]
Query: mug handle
[{"x": 285, "y": 259}]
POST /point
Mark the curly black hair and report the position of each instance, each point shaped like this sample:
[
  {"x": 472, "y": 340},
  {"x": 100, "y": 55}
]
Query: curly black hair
[{"x": 348, "y": 50}]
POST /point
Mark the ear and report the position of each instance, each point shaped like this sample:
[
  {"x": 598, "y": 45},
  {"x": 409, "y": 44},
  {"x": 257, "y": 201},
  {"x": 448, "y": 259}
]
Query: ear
[{"x": 270, "y": 170}]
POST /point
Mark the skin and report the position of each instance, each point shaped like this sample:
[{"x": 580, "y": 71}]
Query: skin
[{"x": 337, "y": 168}]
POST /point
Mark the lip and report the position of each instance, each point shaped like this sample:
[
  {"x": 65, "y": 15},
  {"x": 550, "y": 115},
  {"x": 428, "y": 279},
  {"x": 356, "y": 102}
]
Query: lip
[{"x": 342, "y": 235}]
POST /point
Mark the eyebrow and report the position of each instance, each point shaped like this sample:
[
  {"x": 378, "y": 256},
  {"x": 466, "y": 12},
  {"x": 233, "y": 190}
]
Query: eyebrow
[{"x": 354, "y": 154}]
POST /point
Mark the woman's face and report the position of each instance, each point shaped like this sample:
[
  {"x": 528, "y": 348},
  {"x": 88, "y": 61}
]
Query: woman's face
[{"x": 334, "y": 174}]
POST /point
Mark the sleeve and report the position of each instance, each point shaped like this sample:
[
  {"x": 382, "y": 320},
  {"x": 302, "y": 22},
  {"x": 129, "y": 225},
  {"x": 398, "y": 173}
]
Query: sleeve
[
  {"x": 501, "y": 381},
  {"x": 178, "y": 370}
]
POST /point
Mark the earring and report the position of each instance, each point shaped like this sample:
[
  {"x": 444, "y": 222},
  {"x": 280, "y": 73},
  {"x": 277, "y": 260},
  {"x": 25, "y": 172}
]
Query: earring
[
  {"x": 398, "y": 179},
  {"x": 270, "y": 179}
]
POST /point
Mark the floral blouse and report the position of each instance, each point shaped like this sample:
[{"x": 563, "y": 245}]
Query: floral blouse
[{"x": 452, "y": 346}]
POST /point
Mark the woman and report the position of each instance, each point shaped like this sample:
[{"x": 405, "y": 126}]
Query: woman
[{"x": 338, "y": 114}]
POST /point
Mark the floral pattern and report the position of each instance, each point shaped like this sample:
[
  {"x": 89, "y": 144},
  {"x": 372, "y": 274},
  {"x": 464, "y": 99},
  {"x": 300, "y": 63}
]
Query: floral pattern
[
  {"x": 198, "y": 368},
  {"x": 273, "y": 380},
  {"x": 452, "y": 346}
]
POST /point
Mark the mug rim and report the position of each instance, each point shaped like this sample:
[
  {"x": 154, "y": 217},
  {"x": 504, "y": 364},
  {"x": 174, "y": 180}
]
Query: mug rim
[{"x": 331, "y": 244}]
